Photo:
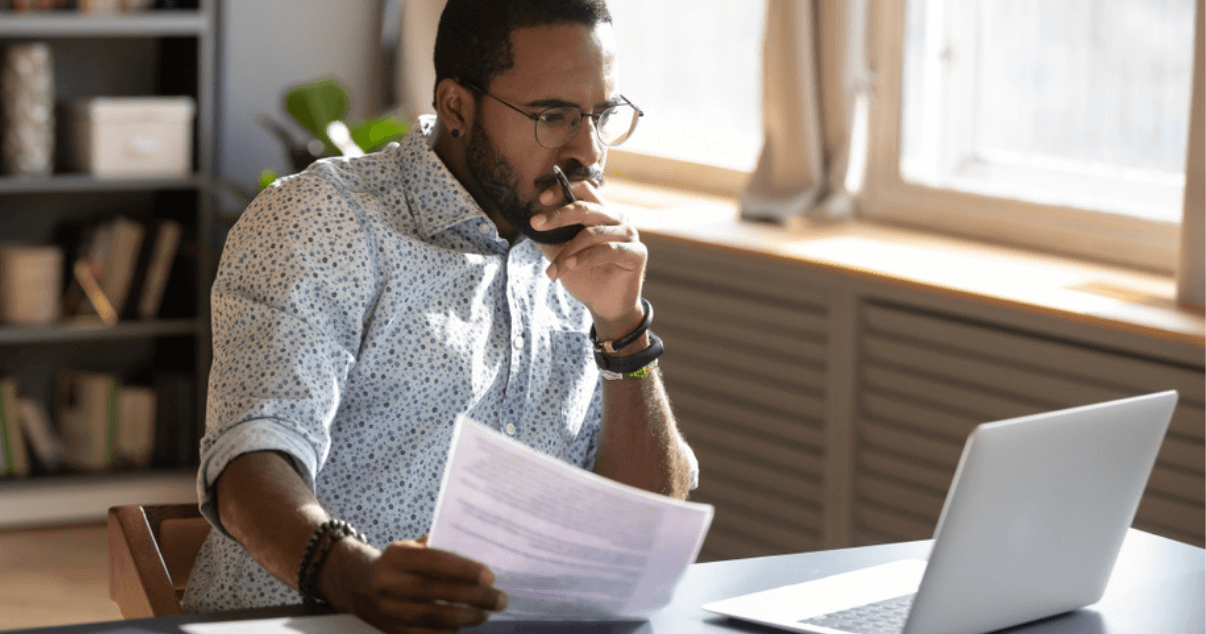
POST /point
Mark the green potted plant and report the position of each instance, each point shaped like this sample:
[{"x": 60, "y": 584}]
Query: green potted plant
[{"x": 320, "y": 108}]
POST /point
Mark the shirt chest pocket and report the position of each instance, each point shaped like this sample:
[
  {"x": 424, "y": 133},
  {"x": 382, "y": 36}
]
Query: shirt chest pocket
[{"x": 572, "y": 377}]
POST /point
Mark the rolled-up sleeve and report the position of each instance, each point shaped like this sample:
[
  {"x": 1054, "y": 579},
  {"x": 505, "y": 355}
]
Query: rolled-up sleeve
[{"x": 296, "y": 280}]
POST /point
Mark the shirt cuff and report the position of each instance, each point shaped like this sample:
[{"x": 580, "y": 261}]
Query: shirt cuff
[{"x": 264, "y": 434}]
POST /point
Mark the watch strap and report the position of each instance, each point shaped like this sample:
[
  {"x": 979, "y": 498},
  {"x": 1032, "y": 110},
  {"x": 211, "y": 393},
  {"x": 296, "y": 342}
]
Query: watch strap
[{"x": 635, "y": 374}]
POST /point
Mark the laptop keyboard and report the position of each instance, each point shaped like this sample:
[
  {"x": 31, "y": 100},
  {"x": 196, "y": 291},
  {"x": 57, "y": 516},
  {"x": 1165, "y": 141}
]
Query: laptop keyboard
[{"x": 883, "y": 617}]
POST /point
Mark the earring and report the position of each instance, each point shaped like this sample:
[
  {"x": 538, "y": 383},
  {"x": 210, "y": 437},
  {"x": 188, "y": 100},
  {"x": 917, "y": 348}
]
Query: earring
[{"x": 456, "y": 134}]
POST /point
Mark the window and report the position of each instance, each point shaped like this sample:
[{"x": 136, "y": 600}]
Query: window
[
  {"x": 702, "y": 102},
  {"x": 1060, "y": 124}
]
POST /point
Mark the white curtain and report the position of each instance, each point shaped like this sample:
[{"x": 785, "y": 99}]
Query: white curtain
[
  {"x": 816, "y": 96},
  {"x": 1192, "y": 267},
  {"x": 415, "y": 79}
]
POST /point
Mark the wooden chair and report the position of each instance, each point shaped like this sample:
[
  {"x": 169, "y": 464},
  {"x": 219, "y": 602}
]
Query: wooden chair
[{"x": 151, "y": 552}]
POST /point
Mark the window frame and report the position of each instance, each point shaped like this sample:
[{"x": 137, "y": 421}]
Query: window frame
[
  {"x": 1062, "y": 229},
  {"x": 672, "y": 172}
]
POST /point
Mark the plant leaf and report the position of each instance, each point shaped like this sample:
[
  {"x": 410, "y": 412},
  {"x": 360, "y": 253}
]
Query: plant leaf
[
  {"x": 373, "y": 134},
  {"x": 317, "y": 104},
  {"x": 267, "y": 177}
]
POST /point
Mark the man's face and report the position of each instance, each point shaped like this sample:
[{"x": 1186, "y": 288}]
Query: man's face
[
  {"x": 496, "y": 177},
  {"x": 564, "y": 65}
]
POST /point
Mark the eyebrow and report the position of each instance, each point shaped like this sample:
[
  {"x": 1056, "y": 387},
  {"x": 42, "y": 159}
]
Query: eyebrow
[{"x": 561, "y": 103}]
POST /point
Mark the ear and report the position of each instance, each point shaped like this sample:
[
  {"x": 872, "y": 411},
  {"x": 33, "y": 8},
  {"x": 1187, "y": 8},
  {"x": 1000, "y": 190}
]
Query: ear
[{"x": 455, "y": 105}]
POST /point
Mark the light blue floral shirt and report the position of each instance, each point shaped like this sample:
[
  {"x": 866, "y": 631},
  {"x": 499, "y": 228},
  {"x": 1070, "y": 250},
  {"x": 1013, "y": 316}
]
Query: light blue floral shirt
[{"x": 359, "y": 308}]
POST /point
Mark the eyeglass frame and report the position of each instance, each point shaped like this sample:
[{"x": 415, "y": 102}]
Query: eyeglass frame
[{"x": 592, "y": 116}]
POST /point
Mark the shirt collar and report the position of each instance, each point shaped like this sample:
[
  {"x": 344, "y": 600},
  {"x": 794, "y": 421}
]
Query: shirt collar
[{"x": 437, "y": 199}]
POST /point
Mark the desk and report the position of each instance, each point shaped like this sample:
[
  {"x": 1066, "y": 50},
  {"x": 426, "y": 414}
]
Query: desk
[{"x": 1158, "y": 585}]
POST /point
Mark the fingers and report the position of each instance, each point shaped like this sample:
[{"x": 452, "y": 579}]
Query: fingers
[
  {"x": 608, "y": 238},
  {"x": 598, "y": 246},
  {"x": 589, "y": 209},
  {"x": 566, "y": 193},
  {"x": 416, "y": 586},
  {"x": 579, "y": 213},
  {"x": 415, "y": 557}
]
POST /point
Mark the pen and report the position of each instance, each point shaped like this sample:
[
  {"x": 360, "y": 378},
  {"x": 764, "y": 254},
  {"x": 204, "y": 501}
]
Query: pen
[{"x": 565, "y": 185}]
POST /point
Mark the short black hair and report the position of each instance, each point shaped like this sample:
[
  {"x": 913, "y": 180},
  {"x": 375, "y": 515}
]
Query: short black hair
[{"x": 473, "y": 42}]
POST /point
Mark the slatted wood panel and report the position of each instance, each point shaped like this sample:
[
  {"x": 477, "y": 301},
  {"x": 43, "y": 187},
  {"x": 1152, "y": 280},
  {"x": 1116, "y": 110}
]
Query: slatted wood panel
[
  {"x": 927, "y": 380},
  {"x": 745, "y": 367}
]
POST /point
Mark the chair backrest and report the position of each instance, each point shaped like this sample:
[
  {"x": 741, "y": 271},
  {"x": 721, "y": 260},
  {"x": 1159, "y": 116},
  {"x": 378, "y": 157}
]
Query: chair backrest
[{"x": 151, "y": 552}]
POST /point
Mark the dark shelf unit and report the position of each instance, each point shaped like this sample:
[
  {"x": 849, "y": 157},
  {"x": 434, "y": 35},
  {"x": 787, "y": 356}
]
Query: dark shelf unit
[{"x": 157, "y": 52}]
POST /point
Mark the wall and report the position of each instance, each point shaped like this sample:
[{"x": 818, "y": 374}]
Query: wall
[
  {"x": 828, "y": 410},
  {"x": 268, "y": 46}
]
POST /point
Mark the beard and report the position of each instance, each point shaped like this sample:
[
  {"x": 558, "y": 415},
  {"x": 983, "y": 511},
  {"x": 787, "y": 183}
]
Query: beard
[{"x": 498, "y": 181}]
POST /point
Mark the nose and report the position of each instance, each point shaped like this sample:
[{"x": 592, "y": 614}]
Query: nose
[{"x": 585, "y": 146}]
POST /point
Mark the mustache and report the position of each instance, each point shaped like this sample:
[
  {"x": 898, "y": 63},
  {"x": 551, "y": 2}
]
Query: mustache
[{"x": 574, "y": 171}]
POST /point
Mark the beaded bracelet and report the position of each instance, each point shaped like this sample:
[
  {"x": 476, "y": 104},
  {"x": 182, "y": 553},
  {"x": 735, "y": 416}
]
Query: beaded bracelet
[{"x": 324, "y": 538}]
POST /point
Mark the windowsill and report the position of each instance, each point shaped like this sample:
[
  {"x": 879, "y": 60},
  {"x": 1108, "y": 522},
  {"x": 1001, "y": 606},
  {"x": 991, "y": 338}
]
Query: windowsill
[{"x": 1077, "y": 290}]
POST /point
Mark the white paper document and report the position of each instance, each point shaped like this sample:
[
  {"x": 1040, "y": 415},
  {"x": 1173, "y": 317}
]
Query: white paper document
[{"x": 564, "y": 543}]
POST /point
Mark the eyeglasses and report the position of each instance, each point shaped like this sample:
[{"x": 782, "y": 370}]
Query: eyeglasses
[{"x": 557, "y": 126}]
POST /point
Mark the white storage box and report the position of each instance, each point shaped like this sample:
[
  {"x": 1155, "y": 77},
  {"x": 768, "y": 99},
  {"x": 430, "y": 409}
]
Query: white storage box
[{"x": 130, "y": 136}]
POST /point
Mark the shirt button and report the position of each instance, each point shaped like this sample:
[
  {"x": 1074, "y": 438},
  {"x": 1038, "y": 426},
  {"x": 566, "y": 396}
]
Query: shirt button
[
  {"x": 510, "y": 428},
  {"x": 518, "y": 341},
  {"x": 484, "y": 227}
]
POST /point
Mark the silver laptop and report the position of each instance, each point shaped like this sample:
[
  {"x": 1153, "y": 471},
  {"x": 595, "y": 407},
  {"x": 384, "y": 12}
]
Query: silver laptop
[{"x": 1031, "y": 527}]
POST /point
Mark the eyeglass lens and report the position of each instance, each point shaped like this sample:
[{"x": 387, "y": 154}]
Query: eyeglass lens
[{"x": 557, "y": 126}]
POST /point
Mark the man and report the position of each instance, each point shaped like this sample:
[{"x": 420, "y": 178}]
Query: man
[{"x": 364, "y": 304}]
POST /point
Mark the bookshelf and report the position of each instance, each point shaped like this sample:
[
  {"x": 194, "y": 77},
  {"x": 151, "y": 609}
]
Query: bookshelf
[
  {"x": 60, "y": 183},
  {"x": 153, "y": 24},
  {"x": 67, "y": 333},
  {"x": 163, "y": 52}
]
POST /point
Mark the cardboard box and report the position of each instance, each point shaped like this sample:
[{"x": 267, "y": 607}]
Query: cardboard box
[
  {"x": 130, "y": 136},
  {"x": 31, "y": 279}
]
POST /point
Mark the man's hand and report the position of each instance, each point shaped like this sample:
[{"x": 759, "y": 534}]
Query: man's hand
[
  {"x": 603, "y": 266},
  {"x": 409, "y": 587}
]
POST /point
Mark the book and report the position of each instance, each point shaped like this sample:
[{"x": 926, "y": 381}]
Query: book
[
  {"x": 136, "y": 407},
  {"x": 142, "y": 264},
  {"x": 87, "y": 408},
  {"x": 158, "y": 268},
  {"x": 16, "y": 460},
  {"x": 85, "y": 247},
  {"x": 47, "y": 447},
  {"x": 108, "y": 254},
  {"x": 87, "y": 285},
  {"x": 30, "y": 283},
  {"x": 121, "y": 260},
  {"x": 99, "y": 6}
]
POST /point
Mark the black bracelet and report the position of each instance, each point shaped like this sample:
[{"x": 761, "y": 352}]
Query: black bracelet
[
  {"x": 324, "y": 538},
  {"x": 612, "y": 366},
  {"x": 610, "y": 347}
]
